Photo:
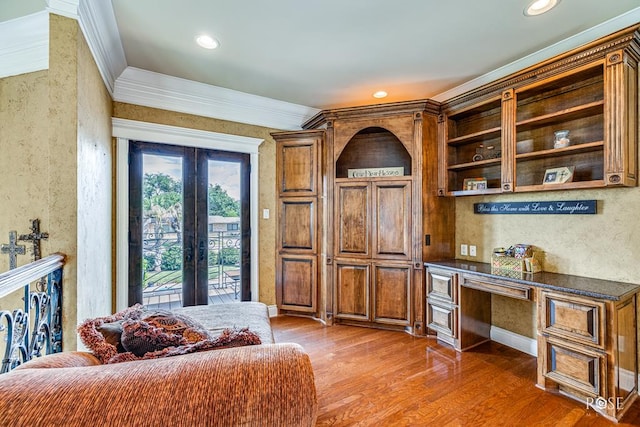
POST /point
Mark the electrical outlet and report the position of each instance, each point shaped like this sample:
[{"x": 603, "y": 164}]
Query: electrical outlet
[
  {"x": 472, "y": 250},
  {"x": 463, "y": 250}
]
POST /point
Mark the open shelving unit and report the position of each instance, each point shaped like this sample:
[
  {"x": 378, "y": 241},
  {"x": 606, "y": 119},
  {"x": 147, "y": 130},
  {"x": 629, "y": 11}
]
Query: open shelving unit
[
  {"x": 473, "y": 134},
  {"x": 592, "y": 92},
  {"x": 572, "y": 101}
]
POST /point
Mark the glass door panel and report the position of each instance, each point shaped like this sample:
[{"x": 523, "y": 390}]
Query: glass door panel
[
  {"x": 162, "y": 222},
  {"x": 224, "y": 231}
]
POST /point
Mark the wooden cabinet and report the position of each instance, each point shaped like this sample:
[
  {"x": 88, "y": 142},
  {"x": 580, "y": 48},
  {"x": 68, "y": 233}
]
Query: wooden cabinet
[
  {"x": 459, "y": 307},
  {"x": 358, "y": 214},
  {"x": 587, "y": 349},
  {"x": 373, "y": 229},
  {"x": 442, "y": 304},
  {"x": 298, "y": 165},
  {"x": 504, "y": 132},
  {"x": 373, "y": 240},
  {"x": 381, "y": 214}
]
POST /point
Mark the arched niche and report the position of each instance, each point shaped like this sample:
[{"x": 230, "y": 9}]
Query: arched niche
[{"x": 373, "y": 147}]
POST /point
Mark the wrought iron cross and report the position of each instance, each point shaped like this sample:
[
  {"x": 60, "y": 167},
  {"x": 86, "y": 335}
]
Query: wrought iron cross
[
  {"x": 35, "y": 236},
  {"x": 12, "y": 249}
]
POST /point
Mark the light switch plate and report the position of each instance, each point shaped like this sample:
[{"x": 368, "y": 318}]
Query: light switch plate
[
  {"x": 472, "y": 250},
  {"x": 463, "y": 250},
  {"x": 265, "y": 213}
]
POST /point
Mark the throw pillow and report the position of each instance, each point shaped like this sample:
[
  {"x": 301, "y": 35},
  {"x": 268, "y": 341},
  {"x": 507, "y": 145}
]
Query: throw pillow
[
  {"x": 159, "y": 329},
  {"x": 91, "y": 332},
  {"x": 112, "y": 333},
  {"x": 136, "y": 333},
  {"x": 228, "y": 338}
]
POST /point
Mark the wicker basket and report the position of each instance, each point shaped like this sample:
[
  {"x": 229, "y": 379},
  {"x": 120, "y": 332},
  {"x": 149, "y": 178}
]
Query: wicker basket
[{"x": 520, "y": 265}]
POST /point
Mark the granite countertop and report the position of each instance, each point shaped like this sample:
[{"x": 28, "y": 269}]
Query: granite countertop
[{"x": 585, "y": 286}]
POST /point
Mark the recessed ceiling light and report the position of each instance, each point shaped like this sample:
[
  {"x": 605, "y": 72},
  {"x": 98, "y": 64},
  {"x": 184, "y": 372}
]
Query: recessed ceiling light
[
  {"x": 538, "y": 7},
  {"x": 380, "y": 94},
  {"x": 207, "y": 42}
]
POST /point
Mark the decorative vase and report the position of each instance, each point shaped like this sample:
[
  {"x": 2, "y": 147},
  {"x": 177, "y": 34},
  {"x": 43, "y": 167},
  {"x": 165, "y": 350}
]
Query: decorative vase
[{"x": 561, "y": 139}]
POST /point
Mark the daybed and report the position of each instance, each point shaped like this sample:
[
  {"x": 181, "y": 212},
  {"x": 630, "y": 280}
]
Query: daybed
[{"x": 257, "y": 385}]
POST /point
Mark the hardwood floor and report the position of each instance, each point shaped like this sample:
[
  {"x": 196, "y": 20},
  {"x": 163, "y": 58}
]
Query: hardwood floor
[{"x": 370, "y": 377}]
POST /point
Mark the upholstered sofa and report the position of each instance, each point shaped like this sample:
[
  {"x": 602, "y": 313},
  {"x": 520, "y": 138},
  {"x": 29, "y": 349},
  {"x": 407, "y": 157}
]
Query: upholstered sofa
[{"x": 270, "y": 384}]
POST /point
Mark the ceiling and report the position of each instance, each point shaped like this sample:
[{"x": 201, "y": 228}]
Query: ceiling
[{"x": 336, "y": 53}]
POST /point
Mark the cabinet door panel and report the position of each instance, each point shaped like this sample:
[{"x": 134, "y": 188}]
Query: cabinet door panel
[
  {"x": 297, "y": 172},
  {"x": 353, "y": 220},
  {"x": 391, "y": 287},
  {"x": 298, "y": 224},
  {"x": 392, "y": 226},
  {"x": 296, "y": 283},
  {"x": 352, "y": 285}
]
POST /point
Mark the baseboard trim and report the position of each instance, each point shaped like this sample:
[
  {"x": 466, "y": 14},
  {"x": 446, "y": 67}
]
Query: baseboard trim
[
  {"x": 273, "y": 310},
  {"x": 513, "y": 340}
]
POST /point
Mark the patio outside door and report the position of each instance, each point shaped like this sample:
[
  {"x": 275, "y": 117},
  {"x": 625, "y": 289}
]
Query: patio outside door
[{"x": 188, "y": 226}]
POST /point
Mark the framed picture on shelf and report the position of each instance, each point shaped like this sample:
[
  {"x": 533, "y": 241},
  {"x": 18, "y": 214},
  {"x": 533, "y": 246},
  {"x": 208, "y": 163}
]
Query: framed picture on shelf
[
  {"x": 558, "y": 175},
  {"x": 474, "y": 184}
]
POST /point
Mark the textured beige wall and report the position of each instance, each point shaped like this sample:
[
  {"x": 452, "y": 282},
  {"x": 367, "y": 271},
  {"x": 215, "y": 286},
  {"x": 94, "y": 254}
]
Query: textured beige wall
[
  {"x": 63, "y": 154},
  {"x": 94, "y": 165},
  {"x": 55, "y": 140},
  {"x": 266, "y": 199},
  {"x": 24, "y": 162},
  {"x": 603, "y": 246}
]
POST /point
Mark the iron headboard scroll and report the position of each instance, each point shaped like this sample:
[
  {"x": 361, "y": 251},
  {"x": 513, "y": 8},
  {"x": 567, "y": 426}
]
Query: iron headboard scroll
[{"x": 37, "y": 327}]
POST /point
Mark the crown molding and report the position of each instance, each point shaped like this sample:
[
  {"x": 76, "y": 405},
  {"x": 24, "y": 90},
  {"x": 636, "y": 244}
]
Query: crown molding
[
  {"x": 24, "y": 44},
  {"x": 608, "y": 27},
  {"x": 141, "y": 87},
  {"x": 98, "y": 24},
  {"x": 136, "y": 130},
  {"x": 68, "y": 8}
]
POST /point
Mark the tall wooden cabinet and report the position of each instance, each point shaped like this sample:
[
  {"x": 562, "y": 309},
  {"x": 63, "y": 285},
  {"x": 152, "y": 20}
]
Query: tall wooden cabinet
[
  {"x": 374, "y": 215},
  {"x": 298, "y": 181}
]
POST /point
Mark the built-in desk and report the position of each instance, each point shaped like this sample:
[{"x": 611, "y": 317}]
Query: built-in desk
[{"x": 586, "y": 328}]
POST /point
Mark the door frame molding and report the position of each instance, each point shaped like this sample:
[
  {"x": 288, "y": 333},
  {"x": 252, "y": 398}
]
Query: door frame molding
[{"x": 124, "y": 130}]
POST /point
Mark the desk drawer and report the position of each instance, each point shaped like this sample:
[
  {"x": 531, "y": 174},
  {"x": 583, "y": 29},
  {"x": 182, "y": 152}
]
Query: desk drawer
[
  {"x": 442, "y": 284},
  {"x": 578, "y": 319},
  {"x": 442, "y": 318},
  {"x": 579, "y": 368},
  {"x": 496, "y": 286}
]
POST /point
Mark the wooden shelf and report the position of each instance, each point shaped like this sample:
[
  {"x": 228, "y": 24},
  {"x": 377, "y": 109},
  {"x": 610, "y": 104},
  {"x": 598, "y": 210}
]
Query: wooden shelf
[
  {"x": 475, "y": 192},
  {"x": 566, "y": 186},
  {"x": 555, "y": 152},
  {"x": 475, "y": 137},
  {"x": 473, "y": 165},
  {"x": 568, "y": 114}
]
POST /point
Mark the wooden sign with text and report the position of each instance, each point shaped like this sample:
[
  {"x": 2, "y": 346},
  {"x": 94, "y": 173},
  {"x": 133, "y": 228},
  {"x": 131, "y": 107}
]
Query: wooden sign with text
[{"x": 562, "y": 207}]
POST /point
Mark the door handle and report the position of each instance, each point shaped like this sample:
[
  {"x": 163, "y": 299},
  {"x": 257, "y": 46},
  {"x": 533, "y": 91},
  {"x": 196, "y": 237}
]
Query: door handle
[
  {"x": 201, "y": 251},
  {"x": 189, "y": 254}
]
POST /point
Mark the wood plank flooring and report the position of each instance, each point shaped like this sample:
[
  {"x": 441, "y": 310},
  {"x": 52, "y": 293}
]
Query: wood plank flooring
[{"x": 367, "y": 377}]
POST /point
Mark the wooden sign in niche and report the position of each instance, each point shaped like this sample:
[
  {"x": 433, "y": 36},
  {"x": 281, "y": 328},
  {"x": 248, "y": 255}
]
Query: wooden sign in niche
[{"x": 375, "y": 172}]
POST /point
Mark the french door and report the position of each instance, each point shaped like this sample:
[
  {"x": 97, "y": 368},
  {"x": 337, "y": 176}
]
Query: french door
[{"x": 189, "y": 229}]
